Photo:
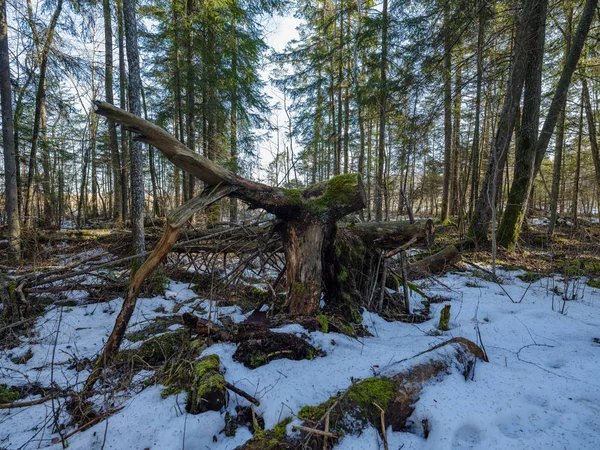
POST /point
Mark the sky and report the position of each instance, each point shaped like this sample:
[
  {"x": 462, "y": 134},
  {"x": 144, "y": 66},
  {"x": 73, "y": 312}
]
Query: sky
[{"x": 279, "y": 30}]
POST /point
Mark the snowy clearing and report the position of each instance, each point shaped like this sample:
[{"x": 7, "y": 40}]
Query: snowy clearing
[{"x": 540, "y": 389}]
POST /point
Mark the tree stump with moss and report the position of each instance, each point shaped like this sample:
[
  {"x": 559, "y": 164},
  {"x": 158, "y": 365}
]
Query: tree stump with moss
[{"x": 207, "y": 391}]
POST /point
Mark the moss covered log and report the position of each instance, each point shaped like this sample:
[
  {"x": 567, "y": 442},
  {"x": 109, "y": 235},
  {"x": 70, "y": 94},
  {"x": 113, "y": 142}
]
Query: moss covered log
[
  {"x": 207, "y": 391},
  {"x": 358, "y": 407}
]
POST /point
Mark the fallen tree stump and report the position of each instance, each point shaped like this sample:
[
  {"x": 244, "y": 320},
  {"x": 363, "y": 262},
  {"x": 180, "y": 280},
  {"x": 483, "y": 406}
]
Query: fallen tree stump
[{"x": 361, "y": 405}]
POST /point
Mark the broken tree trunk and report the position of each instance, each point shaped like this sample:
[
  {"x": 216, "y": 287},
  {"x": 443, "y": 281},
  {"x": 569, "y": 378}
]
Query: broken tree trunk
[
  {"x": 349, "y": 412},
  {"x": 307, "y": 217}
]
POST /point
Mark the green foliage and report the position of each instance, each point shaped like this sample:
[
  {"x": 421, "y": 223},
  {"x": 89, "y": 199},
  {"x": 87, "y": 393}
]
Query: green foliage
[
  {"x": 530, "y": 277},
  {"x": 8, "y": 394},
  {"x": 280, "y": 430},
  {"x": 594, "y": 283},
  {"x": 444, "y": 323},
  {"x": 373, "y": 390},
  {"x": 323, "y": 322}
]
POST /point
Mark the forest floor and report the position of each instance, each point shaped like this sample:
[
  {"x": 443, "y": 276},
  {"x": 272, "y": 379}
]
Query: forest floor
[{"x": 539, "y": 321}]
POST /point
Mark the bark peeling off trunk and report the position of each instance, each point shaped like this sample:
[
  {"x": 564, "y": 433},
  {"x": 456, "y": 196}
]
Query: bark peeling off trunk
[{"x": 303, "y": 247}]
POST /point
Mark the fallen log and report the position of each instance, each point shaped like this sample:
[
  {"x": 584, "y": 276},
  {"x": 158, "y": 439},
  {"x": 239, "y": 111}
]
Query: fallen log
[
  {"x": 435, "y": 263},
  {"x": 390, "y": 235},
  {"x": 361, "y": 405}
]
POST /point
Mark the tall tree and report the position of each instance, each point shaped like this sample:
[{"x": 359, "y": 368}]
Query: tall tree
[
  {"x": 519, "y": 194},
  {"x": 528, "y": 130},
  {"x": 380, "y": 183},
  {"x": 40, "y": 105},
  {"x": 8, "y": 139},
  {"x": 113, "y": 142},
  {"x": 136, "y": 157},
  {"x": 486, "y": 201},
  {"x": 447, "y": 117}
]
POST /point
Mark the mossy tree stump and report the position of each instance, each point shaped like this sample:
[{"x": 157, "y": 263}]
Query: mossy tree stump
[{"x": 307, "y": 217}]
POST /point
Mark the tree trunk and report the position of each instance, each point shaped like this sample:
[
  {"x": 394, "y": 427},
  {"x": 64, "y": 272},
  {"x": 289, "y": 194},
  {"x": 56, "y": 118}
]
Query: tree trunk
[
  {"x": 512, "y": 218},
  {"x": 125, "y": 161},
  {"x": 113, "y": 142},
  {"x": 317, "y": 206},
  {"x": 455, "y": 206},
  {"x": 485, "y": 206},
  {"x": 136, "y": 156},
  {"x": 379, "y": 402},
  {"x": 190, "y": 96},
  {"x": 8, "y": 140},
  {"x": 520, "y": 191},
  {"x": 575, "y": 202},
  {"x": 589, "y": 113},
  {"x": 380, "y": 182},
  {"x": 40, "y": 99},
  {"x": 447, "y": 118}
]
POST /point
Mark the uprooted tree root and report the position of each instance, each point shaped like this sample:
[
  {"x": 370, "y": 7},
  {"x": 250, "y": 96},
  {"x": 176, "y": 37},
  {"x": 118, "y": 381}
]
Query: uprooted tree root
[{"x": 372, "y": 400}]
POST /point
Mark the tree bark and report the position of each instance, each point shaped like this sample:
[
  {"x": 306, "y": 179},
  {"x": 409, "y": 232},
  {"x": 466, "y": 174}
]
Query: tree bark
[
  {"x": 136, "y": 157},
  {"x": 575, "y": 202},
  {"x": 113, "y": 141},
  {"x": 40, "y": 99},
  {"x": 125, "y": 161},
  {"x": 447, "y": 118},
  {"x": 589, "y": 113},
  {"x": 8, "y": 140},
  {"x": 487, "y": 199},
  {"x": 519, "y": 195},
  {"x": 380, "y": 182},
  {"x": 512, "y": 218}
]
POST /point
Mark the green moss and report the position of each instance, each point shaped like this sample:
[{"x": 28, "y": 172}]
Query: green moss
[
  {"x": 280, "y": 430},
  {"x": 339, "y": 191},
  {"x": 508, "y": 232},
  {"x": 356, "y": 408},
  {"x": 8, "y": 395},
  {"x": 373, "y": 390},
  {"x": 298, "y": 288},
  {"x": 323, "y": 322},
  {"x": 530, "y": 277},
  {"x": 315, "y": 413},
  {"x": 294, "y": 196},
  {"x": 207, "y": 388},
  {"x": 258, "y": 360},
  {"x": 594, "y": 283},
  {"x": 444, "y": 323}
]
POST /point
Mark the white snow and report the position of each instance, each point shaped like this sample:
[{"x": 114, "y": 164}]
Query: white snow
[{"x": 540, "y": 390}]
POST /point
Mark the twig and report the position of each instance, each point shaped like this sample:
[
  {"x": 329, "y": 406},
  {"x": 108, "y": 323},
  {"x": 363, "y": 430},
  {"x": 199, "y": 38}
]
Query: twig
[
  {"x": 315, "y": 431},
  {"x": 326, "y": 430},
  {"x": 382, "y": 416},
  {"x": 39, "y": 401},
  {"x": 494, "y": 278},
  {"x": 93, "y": 422},
  {"x": 241, "y": 393}
]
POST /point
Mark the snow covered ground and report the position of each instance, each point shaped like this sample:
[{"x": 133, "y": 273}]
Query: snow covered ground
[{"x": 540, "y": 390}]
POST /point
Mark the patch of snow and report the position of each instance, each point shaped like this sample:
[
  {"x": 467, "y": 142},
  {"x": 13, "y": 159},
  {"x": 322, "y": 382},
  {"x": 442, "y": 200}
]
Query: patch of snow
[{"x": 540, "y": 389}]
